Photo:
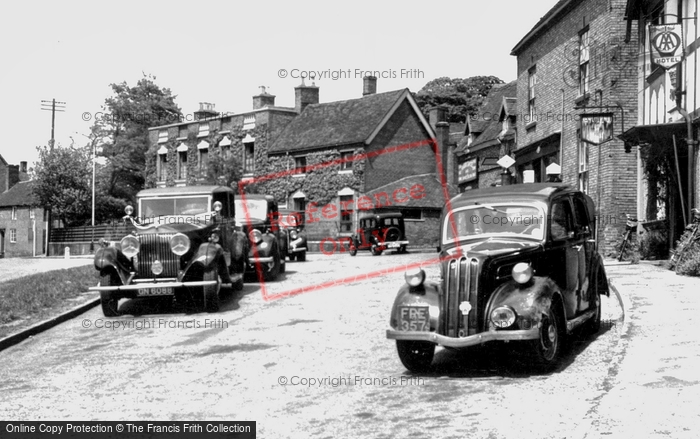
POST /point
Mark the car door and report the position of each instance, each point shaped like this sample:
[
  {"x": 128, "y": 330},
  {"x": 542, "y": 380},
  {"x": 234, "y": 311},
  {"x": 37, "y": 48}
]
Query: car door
[
  {"x": 565, "y": 252},
  {"x": 585, "y": 233}
]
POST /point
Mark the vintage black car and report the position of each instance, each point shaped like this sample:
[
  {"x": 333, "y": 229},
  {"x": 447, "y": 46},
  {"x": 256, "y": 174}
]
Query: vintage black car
[
  {"x": 379, "y": 232},
  {"x": 258, "y": 217},
  {"x": 519, "y": 263},
  {"x": 292, "y": 222},
  {"x": 183, "y": 243}
]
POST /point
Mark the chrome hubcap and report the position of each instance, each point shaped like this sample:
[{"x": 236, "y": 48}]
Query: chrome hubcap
[{"x": 552, "y": 333}]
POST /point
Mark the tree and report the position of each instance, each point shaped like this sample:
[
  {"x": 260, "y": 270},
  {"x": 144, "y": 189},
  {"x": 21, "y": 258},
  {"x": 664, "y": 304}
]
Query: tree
[
  {"x": 223, "y": 167},
  {"x": 63, "y": 183},
  {"x": 462, "y": 97},
  {"x": 123, "y": 135}
]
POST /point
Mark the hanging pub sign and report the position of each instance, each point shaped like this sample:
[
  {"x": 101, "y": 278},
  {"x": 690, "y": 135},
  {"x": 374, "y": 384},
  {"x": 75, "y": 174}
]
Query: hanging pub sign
[
  {"x": 467, "y": 171},
  {"x": 666, "y": 42},
  {"x": 596, "y": 128}
]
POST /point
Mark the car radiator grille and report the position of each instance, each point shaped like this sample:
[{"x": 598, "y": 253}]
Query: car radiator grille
[
  {"x": 154, "y": 246},
  {"x": 461, "y": 287}
]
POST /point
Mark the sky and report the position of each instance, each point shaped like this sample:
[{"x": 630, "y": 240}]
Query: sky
[{"x": 222, "y": 52}]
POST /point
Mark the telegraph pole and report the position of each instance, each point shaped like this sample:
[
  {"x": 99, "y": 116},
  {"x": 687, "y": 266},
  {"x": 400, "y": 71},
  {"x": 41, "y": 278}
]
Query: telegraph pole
[{"x": 53, "y": 106}]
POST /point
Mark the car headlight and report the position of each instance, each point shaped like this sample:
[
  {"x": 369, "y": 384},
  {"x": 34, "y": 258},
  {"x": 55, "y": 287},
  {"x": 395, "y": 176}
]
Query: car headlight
[
  {"x": 522, "y": 272},
  {"x": 415, "y": 278},
  {"x": 130, "y": 246},
  {"x": 179, "y": 244},
  {"x": 255, "y": 236},
  {"x": 503, "y": 317},
  {"x": 293, "y": 234}
]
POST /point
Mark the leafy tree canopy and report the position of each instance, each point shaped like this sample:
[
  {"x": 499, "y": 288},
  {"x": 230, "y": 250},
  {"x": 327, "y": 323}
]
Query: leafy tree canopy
[
  {"x": 462, "y": 97},
  {"x": 121, "y": 135}
]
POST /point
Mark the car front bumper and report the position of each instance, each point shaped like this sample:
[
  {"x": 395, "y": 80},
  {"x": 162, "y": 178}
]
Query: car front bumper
[{"x": 463, "y": 342}]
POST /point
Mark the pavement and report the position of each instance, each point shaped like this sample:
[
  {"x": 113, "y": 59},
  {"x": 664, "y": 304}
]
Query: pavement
[{"x": 12, "y": 268}]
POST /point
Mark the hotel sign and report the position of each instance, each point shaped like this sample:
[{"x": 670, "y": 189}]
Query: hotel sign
[
  {"x": 596, "y": 128},
  {"x": 666, "y": 42},
  {"x": 467, "y": 171}
]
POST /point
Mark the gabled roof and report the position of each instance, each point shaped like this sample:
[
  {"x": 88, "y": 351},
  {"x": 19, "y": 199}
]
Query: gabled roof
[
  {"x": 434, "y": 195},
  {"x": 2, "y": 160},
  {"x": 489, "y": 116},
  {"x": 509, "y": 106},
  {"x": 544, "y": 23},
  {"x": 19, "y": 195},
  {"x": 343, "y": 122}
]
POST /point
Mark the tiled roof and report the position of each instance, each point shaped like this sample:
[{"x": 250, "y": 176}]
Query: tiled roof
[
  {"x": 336, "y": 123},
  {"x": 489, "y": 114},
  {"x": 434, "y": 195},
  {"x": 19, "y": 195},
  {"x": 544, "y": 23}
]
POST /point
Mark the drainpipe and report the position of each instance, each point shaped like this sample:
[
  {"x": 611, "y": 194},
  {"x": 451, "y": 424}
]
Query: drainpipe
[{"x": 691, "y": 158}]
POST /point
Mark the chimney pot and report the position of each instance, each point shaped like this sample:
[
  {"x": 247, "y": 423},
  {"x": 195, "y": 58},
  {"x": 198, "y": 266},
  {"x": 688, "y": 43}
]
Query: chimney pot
[
  {"x": 23, "y": 167},
  {"x": 369, "y": 85},
  {"x": 305, "y": 95}
]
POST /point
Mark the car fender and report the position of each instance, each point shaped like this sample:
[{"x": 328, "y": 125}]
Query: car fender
[
  {"x": 239, "y": 246},
  {"x": 532, "y": 299},
  {"x": 599, "y": 269},
  {"x": 106, "y": 257},
  {"x": 427, "y": 294},
  {"x": 208, "y": 256}
]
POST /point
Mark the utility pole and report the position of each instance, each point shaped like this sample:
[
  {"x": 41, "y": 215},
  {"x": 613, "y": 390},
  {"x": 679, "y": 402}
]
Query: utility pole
[{"x": 53, "y": 106}]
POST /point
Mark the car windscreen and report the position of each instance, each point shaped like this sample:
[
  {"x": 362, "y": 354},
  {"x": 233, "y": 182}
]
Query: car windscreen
[
  {"x": 255, "y": 209},
  {"x": 162, "y": 206},
  {"x": 507, "y": 220}
]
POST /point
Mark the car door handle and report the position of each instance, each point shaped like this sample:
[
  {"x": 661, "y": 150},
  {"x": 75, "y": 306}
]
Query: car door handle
[{"x": 577, "y": 247}]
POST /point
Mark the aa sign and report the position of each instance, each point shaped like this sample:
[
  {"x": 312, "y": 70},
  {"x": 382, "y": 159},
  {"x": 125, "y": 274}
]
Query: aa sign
[{"x": 666, "y": 42}]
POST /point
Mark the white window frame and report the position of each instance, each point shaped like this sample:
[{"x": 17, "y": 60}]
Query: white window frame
[
  {"x": 532, "y": 94},
  {"x": 203, "y": 129},
  {"x": 13, "y": 236},
  {"x": 297, "y": 166},
  {"x": 583, "y": 165},
  {"x": 162, "y": 136},
  {"x": 14, "y": 213},
  {"x": 583, "y": 63},
  {"x": 346, "y": 167}
]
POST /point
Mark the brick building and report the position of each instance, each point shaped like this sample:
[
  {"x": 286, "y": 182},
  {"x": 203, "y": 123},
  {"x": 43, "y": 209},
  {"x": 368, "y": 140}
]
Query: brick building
[
  {"x": 576, "y": 89},
  {"x": 271, "y": 139},
  {"x": 23, "y": 224},
  {"x": 667, "y": 118},
  {"x": 486, "y": 139},
  {"x": 367, "y": 127}
]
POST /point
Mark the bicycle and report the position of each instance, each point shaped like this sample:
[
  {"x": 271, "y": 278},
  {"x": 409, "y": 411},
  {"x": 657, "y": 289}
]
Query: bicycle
[
  {"x": 630, "y": 227},
  {"x": 691, "y": 234}
]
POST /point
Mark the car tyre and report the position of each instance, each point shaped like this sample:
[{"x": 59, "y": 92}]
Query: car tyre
[
  {"x": 211, "y": 292},
  {"x": 301, "y": 257},
  {"x": 548, "y": 347},
  {"x": 270, "y": 275},
  {"x": 110, "y": 304},
  {"x": 593, "y": 325},
  {"x": 416, "y": 356},
  {"x": 375, "y": 250},
  {"x": 238, "y": 285}
]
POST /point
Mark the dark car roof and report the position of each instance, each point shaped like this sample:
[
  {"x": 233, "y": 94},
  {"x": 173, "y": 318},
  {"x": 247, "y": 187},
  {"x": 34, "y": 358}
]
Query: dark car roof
[
  {"x": 527, "y": 191},
  {"x": 183, "y": 190}
]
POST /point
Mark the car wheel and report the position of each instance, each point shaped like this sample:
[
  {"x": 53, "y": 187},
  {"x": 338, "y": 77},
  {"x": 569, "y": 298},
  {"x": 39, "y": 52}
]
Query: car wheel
[
  {"x": 301, "y": 257},
  {"x": 392, "y": 234},
  {"x": 292, "y": 256},
  {"x": 375, "y": 251},
  {"x": 353, "y": 248},
  {"x": 416, "y": 356},
  {"x": 270, "y": 275},
  {"x": 238, "y": 285},
  {"x": 548, "y": 347},
  {"x": 211, "y": 292},
  {"x": 110, "y": 304}
]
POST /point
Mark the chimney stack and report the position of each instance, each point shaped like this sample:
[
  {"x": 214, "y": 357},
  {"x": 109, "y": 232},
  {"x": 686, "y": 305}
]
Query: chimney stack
[
  {"x": 438, "y": 120},
  {"x": 264, "y": 99},
  {"x": 369, "y": 85},
  {"x": 305, "y": 95},
  {"x": 206, "y": 110},
  {"x": 23, "y": 167}
]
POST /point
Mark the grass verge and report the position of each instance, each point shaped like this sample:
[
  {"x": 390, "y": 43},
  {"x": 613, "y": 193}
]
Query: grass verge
[{"x": 31, "y": 299}]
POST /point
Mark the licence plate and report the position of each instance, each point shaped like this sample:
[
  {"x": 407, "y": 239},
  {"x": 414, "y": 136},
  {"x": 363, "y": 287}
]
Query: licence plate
[
  {"x": 393, "y": 245},
  {"x": 159, "y": 291},
  {"x": 414, "y": 318}
]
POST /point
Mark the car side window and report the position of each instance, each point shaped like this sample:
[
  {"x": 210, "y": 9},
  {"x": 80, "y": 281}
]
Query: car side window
[
  {"x": 581, "y": 216},
  {"x": 561, "y": 224}
]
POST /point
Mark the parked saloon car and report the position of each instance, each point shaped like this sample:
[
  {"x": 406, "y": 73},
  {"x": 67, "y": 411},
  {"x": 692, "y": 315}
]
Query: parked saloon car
[
  {"x": 182, "y": 244},
  {"x": 379, "y": 232},
  {"x": 292, "y": 222},
  {"x": 259, "y": 219},
  {"x": 519, "y": 263}
]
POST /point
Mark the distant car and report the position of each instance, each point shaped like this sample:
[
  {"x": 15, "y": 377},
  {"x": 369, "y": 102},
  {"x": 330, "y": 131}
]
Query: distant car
[
  {"x": 183, "y": 244},
  {"x": 519, "y": 264},
  {"x": 259, "y": 219},
  {"x": 379, "y": 232},
  {"x": 292, "y": 222}
]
